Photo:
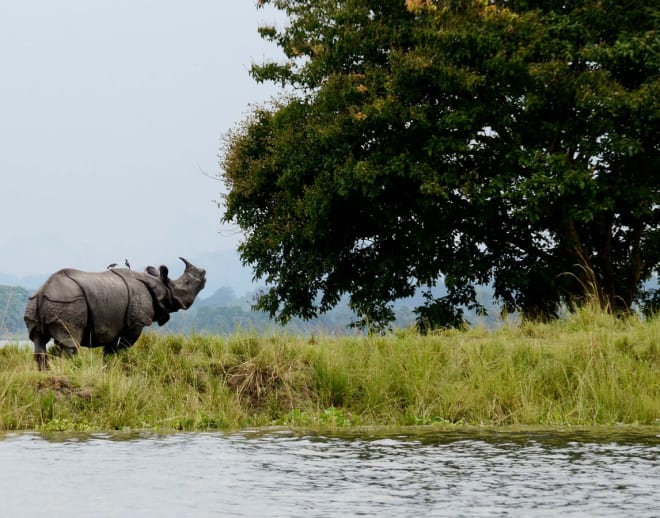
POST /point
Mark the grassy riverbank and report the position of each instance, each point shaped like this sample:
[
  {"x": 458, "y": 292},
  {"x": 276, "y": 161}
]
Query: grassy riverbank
[{"x": 591, "y": 369}]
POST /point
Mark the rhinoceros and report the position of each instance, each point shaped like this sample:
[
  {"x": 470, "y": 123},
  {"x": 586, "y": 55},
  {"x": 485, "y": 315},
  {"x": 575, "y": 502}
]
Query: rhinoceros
[{"x": 106, "y": 309}]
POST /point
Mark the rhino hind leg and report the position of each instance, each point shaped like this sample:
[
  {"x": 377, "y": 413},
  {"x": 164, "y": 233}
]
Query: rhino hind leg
[
  {"x": 40, "y": 351},
  {"x": 37, "y": 334}
]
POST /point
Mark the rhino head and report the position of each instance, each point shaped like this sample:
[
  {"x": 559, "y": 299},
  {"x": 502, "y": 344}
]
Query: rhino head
[
  {"x": 171, "y": 295},
  {"x": 188, "y": 285}
]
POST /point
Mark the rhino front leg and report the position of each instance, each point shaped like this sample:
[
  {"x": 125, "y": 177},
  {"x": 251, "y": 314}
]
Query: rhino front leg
[
  {"x": 66, "y": 349},
  {"x": 124, "y": 342}
]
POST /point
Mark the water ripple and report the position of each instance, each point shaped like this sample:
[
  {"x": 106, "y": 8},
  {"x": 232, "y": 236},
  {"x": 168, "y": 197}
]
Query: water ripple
[{"x": 282, "y": 474}]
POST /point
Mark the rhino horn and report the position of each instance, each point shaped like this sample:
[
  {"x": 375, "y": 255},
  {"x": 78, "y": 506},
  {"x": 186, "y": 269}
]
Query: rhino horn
[{"x": 188, "y": 265}]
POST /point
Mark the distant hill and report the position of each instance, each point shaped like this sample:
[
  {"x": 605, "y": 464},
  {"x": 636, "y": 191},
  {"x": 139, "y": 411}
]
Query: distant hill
[
  {"x": 223, "y": 312},
  {"x": 30, "y": 282},
  {"x": 12, "y": 307},
  {"x": 224, "y": 268}
]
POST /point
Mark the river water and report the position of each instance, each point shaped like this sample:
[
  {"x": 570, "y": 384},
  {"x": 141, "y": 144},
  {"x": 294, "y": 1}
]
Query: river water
[{"x": 281, "y": 473}]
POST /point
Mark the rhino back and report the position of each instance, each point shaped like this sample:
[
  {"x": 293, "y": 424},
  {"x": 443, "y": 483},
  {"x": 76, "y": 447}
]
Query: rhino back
[
  {"x": 106, "y": 296},
  {"x": 60, "y": 287}
]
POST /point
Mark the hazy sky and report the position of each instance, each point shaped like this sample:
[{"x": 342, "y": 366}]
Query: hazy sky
[{"x": 110, "y": 114}]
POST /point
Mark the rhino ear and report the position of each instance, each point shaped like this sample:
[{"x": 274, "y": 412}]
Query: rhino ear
[
  {"x": 164, "y": 274},
  {"x": 152, "y": 271}
]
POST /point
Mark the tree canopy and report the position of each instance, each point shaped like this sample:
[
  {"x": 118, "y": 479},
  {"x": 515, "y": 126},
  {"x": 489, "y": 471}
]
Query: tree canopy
[{"x": 511, "y": 143}]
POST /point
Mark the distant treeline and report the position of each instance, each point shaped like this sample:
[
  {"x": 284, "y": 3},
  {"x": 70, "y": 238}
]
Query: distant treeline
[{"x": 224, "y": 313}]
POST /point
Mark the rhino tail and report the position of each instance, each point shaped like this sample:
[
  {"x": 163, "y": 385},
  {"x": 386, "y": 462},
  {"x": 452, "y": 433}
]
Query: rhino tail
[{"x": 32, "y": 317}]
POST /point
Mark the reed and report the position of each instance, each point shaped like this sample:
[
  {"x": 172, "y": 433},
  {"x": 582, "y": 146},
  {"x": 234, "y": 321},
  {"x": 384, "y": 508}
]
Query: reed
[{"x": 588, "y": 369}]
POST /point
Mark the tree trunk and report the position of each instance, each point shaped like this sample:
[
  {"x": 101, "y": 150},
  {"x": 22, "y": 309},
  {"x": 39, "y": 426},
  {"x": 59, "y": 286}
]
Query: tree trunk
[
  {"x": 585, "y": 273},
  {"x": 603, "y": 229}
]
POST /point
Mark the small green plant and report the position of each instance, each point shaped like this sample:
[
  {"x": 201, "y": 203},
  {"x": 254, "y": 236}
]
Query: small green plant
[
  {"x": 296, "y": 418},
  {"x": 65, "y": 425},
  {"x": 335, "y": 417}
]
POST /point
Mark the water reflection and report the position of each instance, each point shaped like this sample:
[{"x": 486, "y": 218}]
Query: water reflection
[{"x": 280, "y": 473}]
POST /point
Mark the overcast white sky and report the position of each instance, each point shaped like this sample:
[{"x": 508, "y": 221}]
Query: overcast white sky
[{"x": 110, "y": 112}]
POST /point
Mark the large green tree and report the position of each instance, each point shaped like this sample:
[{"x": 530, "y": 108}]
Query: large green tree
[{"x": 515, "y": 143}]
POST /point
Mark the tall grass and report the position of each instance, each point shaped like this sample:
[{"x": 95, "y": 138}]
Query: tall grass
[{"x": 589, "y": 369}]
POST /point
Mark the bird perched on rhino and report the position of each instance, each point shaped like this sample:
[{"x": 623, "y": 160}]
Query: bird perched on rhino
[{"x": 107, "y": 309}]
